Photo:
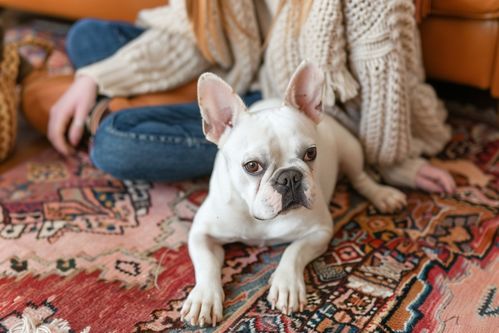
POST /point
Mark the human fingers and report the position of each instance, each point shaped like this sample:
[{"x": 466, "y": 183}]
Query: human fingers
[
  {"x": 58, "y": 123},
  {"x": 77, "y": 125},
  {"x": 445, "y": 179},
  {"x": 428, "y": 184},
  {"x": 440, "y": 176}
]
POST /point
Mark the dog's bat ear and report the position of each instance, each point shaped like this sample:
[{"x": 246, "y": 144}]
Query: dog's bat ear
[
  {"x": 304, "y": 91},
  {"x": 220, "y": 105}
]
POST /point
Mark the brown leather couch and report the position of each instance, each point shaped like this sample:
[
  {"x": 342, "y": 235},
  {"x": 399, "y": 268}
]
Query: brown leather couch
[
  {"x": 74, "y": 9},
  {"x": 460, "y": 41}
]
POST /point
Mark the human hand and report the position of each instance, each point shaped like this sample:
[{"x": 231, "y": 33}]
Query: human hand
[
  {"x": 435, "y": 179},
  {"x": 70, "y": 112}
]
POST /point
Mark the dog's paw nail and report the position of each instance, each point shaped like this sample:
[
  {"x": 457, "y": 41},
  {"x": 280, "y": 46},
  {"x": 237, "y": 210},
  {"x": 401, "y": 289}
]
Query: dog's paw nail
[
  {"x": 184, "y": 312},
  {"x": 201, "y": 322},
  {"x": 302, "y": 307}
]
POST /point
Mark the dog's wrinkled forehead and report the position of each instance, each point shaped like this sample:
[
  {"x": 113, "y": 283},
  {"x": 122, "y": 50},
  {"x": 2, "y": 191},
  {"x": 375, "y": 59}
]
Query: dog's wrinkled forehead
[{"x": 279, "y": 133}]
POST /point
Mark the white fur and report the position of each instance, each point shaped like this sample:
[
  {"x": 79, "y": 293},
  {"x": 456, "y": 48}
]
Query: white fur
[{"x": 246, "y": 208}]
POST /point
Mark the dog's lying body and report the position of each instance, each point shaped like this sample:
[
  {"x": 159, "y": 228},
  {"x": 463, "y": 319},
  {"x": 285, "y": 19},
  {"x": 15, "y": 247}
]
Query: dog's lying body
[{"x": 273, "y": 178}]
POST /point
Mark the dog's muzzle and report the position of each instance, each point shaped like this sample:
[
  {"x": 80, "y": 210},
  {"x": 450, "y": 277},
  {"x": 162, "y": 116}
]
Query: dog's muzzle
[{"x": 289, "y": 184}]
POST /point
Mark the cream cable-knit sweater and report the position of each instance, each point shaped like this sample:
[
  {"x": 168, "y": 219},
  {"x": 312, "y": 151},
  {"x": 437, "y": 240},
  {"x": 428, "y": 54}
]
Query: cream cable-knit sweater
[
  {"x": 396, "y": 116},
  {"x": 166, "y": 56}
]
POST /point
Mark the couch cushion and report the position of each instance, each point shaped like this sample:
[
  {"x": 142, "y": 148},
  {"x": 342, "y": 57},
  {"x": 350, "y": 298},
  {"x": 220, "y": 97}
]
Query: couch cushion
[
  {"x": 74, "y": 9},
  {"x": 460, "y": 51},
  {"x": 467, "y": 8}
]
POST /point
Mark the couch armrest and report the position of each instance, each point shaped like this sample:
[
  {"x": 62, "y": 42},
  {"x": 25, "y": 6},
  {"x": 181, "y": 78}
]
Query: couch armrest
[{"x": 423, "y": 8}]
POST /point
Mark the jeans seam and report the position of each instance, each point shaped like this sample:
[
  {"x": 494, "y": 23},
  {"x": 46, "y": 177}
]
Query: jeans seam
[{"x": 157, "y": 138}]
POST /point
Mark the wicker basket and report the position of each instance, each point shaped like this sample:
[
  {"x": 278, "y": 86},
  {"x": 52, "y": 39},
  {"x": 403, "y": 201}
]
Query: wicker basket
[{"x": 9, "y": 72}]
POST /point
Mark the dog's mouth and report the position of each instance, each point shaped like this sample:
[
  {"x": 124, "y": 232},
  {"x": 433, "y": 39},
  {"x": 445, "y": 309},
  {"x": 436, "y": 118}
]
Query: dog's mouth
[
  {"x": 290, "y": 207},
  {"x": 289, "y": 196}
]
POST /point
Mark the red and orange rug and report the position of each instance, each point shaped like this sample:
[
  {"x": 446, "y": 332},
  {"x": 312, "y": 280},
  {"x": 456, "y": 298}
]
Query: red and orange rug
[{"x": 111, "y": 256}]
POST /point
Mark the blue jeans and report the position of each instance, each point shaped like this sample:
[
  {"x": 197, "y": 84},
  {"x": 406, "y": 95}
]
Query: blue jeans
[{"x": 153, "y": 143}]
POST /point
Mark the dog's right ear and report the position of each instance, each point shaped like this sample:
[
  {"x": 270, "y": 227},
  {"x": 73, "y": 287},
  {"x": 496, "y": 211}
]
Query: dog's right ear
[
  {"x": 304, "y": 91},
  {"x": 220, "y": 105}
]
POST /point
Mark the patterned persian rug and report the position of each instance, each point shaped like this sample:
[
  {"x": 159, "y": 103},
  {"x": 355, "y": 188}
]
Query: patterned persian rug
[
  {"x": 81, "y": 249},
  {"x": 111, "y": 256}
]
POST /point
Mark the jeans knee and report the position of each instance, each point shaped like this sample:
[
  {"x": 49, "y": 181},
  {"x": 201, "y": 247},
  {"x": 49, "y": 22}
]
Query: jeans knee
[
  {"x": 106, "y": 154},
  {"x": 102, "y": 161},
  {"x": 81, "y": 32},
  {"x": 114, "y": 164}
]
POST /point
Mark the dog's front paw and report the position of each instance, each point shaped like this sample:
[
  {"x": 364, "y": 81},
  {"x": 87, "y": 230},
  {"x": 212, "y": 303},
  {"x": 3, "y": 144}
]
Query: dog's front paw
[
  {"x": 287, "y": 292},
  {"x": 203, "y": 305},
  {"x": 388, "y": 199}
]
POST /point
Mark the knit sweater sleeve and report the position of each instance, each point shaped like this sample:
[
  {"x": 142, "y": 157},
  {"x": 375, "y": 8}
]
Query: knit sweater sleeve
[
  {"x": 163, "y": 57},
  {"x": 325, "y": 26}
]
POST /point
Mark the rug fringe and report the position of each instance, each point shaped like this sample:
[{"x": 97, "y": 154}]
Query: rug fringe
[{"x": 27, "y": 325}]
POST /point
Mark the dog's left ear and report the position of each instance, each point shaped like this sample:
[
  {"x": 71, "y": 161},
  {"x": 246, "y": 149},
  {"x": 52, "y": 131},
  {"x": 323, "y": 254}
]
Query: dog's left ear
[
  {"x": 220, "y": 105},
  {"x": 304, "y": 90}
]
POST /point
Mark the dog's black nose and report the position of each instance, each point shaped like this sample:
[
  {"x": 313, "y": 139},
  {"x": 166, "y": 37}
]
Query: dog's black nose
[
  {"x": 289, "y": 184},
  {"x": 289, "y": 178}
]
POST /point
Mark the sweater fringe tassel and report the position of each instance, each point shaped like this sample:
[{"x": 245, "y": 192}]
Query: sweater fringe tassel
[{"x": 341, "y": 83}]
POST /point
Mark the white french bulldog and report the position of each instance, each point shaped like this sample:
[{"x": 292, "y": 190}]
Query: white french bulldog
[{"x": 274, "y": 175}]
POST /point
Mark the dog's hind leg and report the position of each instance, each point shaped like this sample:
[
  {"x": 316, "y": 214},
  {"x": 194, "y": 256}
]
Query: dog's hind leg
[{"x": 385, "y": 198}]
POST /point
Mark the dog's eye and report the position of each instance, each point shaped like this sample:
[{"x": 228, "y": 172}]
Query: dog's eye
[
  {"x": 253, "y": 167},
  {"x": 310, "y": 154}
]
